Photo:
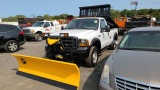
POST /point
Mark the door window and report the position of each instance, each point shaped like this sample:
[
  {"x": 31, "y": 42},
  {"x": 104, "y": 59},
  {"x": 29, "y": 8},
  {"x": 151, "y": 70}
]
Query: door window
[
  {"x": 47, "y": 24},
  {"x": 52, "y": 24},
  {"x": 103, "y": 24},
  {"x": 5, "y": 28}
]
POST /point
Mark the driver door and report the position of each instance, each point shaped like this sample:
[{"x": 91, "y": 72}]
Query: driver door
[
  {"x": 105, "y": 36},
  {"x": 47, "y": 27}
]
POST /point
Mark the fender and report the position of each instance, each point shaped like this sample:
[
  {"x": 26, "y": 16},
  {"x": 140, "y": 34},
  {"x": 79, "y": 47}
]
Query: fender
[
  {"x": 115, "y": 37},
  {"x": 96, "y": 42},
  {"x": 39, "y": 32}
]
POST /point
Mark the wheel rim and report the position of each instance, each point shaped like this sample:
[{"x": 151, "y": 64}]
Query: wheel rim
[
  {"x": 114, "y": 46},
  {"x": 39, "y": 38},
  {"x": 94, "y": 57},
  {"x": 12, "y": 46}
]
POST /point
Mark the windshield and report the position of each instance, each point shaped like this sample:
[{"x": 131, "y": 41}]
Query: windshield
[
  {"x": 141, "y": 40},
  {"x": 20, "y": 27},
  {"x": 83, "y": 24},
  {"x": 38, "y": 24}
]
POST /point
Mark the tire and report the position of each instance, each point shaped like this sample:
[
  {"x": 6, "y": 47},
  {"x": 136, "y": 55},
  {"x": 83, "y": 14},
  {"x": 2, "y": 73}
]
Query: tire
[
  {"x": 121, "y": 31},
  {"x": 12, "y": 46},
  {"x": 113, "y": 45},
  {"x": 93, "y": 57},
  {"x": 38, "y": 37}
]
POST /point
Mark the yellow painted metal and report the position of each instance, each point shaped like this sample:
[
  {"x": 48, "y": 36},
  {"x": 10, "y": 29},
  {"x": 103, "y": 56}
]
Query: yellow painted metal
[
  {"x": 64, "y": 72},
  {"x": 52, "y": 41}
]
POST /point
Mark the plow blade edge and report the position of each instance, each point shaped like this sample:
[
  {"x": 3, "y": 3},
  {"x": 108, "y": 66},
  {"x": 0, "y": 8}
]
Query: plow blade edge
[{"x": 64, "y": 72}]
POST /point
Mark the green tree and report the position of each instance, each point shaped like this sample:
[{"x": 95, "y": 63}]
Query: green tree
[
  {"x": 142, "y": 12},
  {"x": 39, "y": 17},
  {"x": 47, "y": 17},
  {"x": 124, "y": 12},
  {"x": 63, "y": 16},
  {"x": 114, "y": 13},
  {"x": 19, "y": 16}
]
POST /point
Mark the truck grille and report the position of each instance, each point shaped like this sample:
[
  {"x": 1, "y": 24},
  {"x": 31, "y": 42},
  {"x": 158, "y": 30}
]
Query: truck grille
[
  {"x": 69, "y": 43},
  {"x": 26, "y": 31},
  {"x": 125, "y": 84}
]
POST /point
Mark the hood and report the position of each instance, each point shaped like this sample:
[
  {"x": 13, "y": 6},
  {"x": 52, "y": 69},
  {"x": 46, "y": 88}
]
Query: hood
[
  {"x": 32, "y": 28},
  {"x": 143, "y": 66},
  {"x": 80, "y": 33}
]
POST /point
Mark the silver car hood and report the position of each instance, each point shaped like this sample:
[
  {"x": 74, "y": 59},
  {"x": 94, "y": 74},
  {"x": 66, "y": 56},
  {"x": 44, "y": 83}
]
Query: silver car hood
[{"x": 143, "y": 66}]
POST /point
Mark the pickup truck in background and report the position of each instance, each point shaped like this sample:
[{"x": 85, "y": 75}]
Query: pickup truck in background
[
  {"x": 41, "y": 29},
  {"x": 83, "y": 38}
]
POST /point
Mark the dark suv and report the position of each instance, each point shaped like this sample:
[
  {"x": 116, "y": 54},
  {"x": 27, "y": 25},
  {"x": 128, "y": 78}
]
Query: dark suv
[{"x": 11, "y": 37}]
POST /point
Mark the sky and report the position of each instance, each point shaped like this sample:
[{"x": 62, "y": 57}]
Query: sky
[{"x": 57, "y": 7}]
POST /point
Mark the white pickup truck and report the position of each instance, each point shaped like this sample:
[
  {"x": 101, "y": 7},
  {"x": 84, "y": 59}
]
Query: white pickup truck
[
  {"x": 40, "y": 29},
  {"x": 82, "y": 39}
]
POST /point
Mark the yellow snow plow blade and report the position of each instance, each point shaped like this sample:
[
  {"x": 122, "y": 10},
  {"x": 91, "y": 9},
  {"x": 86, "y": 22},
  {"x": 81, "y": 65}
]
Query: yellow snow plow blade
[
  {"x": 52, "y": 41},
  {"x": 64, "y": 72}
]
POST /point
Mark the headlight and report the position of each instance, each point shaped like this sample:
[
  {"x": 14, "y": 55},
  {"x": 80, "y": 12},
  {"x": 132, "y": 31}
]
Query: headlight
[
  {"x": 63, "y": 34},
  {"x": 83, "y": 42},
  {"x": 32, "y": 31},
  {"x": 105, "y": 74}
]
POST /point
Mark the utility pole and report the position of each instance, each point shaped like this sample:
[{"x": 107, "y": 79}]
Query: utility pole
[
  {"x": 136, "y": 9},
  {"x": 134, "y": 3}
]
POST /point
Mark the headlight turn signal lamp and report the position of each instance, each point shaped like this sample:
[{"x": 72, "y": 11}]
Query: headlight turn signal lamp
[
  {"x": 64, "y": 35},
  {"x": 83, "y": 42},
  {"x": 32, "y": 31},
  {"x": 105, "y": 74}
]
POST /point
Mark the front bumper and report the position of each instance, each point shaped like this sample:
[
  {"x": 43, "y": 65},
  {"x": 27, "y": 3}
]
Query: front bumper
[
  {"x": 29, "y": 35},
  {"x": 104, "y": 86},
  {"x": 80, "y": 53}
]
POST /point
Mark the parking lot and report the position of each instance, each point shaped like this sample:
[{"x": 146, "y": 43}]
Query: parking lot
[{"x": 10, "y": 79}]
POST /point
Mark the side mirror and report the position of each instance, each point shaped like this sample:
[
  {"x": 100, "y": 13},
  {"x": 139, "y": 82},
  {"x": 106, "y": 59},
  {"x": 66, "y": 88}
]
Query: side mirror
[{"x": 107, "y": 28}]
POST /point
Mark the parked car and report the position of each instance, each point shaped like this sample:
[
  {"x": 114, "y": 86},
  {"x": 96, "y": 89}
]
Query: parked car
[
  {"x": 21, "y": 26},
  {"x": 135, "y": 63},
  {"x": 11, "y": 37}
]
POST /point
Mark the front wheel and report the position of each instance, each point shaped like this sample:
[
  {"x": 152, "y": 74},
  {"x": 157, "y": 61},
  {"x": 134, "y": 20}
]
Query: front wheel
[
  {"x": 38, "y": 37},
  {"x": 11, "y": 46},
  {"x": 93, "y": 57}
]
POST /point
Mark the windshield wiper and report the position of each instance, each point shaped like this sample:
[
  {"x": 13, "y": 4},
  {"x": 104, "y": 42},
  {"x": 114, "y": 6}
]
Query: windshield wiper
[{"x": 85, "y": 28}]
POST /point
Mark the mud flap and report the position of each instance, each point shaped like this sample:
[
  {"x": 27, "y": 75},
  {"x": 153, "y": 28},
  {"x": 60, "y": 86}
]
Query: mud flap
[{"x": 64, "y": 72}]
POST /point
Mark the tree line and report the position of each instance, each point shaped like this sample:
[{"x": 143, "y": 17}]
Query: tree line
[
  {"x": 114, "y": 14},
  {"x": 130, "y": 13}
]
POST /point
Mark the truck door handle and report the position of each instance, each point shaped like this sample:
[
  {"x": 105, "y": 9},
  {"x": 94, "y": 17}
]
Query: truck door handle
[{"x": 99, "y": 35}]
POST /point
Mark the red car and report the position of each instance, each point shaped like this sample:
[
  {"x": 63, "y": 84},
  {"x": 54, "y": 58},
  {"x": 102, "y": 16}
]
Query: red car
[{"x": 24, "y": 25}]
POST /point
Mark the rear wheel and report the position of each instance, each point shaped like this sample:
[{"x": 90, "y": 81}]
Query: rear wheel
[
  {"x": 121, "y": 31},
  {"x": 93, "y": 57},
  {"x": 113, "y": 45},
  {"x": 38, "y": 37},
  {"x": 11, "y": 46}
]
